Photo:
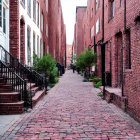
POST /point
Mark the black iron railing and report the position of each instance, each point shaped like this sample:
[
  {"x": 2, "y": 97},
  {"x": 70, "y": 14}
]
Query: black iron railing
[
  {"x": 22, "y": 70},
  {"x": 18, "y": 84}
]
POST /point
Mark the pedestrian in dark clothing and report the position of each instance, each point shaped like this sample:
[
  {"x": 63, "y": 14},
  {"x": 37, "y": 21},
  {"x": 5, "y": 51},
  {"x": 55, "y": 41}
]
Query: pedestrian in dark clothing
[{"x": 73, "y": 67}]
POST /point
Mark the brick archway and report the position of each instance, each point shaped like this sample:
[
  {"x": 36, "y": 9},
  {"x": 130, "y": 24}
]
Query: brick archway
[{"x": 22, "y": 40}]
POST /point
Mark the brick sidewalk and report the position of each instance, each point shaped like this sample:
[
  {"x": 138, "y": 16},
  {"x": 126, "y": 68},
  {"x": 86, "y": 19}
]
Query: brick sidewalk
[{"x": 72, "y": 110}]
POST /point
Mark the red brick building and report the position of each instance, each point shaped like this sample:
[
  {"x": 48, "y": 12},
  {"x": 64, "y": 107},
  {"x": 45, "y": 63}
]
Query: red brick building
[
  {"x": 69, "y": 55},
  {"x": 37, "y": 27},
  {"x": 112, "y": 29},
  {"x": 57, "y": 31}
]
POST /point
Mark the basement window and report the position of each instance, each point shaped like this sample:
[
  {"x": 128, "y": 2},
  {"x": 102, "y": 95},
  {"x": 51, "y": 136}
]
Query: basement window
[{"x": 0, "y": 13}]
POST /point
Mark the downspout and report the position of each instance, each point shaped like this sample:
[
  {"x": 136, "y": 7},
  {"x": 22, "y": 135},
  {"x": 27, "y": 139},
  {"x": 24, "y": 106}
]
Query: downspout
[
  {"x": 103, "y": 51},
  {"x": 122, "y": 47}
]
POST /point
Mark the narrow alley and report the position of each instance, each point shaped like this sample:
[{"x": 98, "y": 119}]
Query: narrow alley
[{"x": 72, "y": 110}]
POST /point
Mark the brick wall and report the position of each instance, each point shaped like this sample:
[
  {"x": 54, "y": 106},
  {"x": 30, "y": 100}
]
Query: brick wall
[
  {"x": 122, "y": 46},
  {"x": 14, "y": 28}
]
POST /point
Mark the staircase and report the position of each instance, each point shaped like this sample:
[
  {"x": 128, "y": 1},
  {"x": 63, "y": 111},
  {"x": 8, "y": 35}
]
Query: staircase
[{"x": 20, "y": 86}]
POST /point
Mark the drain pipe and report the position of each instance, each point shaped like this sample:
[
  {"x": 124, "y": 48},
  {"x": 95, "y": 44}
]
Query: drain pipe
[{"x": 103, "y": 51}]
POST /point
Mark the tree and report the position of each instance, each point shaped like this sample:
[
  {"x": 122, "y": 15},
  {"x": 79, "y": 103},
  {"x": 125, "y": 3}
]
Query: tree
[{"x": 86, "y": 59}]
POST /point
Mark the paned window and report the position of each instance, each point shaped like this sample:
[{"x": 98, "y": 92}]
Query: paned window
[
  {"x": 29, "y": 45},
  {"x": 34, "y": 51},
  {"x": 42, "y": 21},
  {"x": 34, "y": 10},
  {"x": 97, "y": 26},
  {"x": 0, "y": 13},
  {"x": 4, "y": 20},
  {"x": 29, "y": 6},
  {"x": 38, "y": 13},
  {"x": 23, "y": 1},
  {"x": 38, "y": 46}
]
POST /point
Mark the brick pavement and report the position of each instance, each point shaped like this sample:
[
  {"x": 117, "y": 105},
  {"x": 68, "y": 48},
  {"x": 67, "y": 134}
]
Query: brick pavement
[{"x": 72, "y": 110}]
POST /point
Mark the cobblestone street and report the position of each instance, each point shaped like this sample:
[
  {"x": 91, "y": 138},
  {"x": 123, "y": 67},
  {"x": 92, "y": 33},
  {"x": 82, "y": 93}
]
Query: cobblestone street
[{"x": 72, "y": 110}]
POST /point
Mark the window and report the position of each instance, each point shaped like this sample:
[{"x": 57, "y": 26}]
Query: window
[
  {"x": 97, "y": 26},
  {"x": 38, "y": 13},
  {"x": 112, "y": 8},
  {"x": 41, "y": 48},
  {"x": 96, "y": 4},
  {"x": 4, "y": 20},
  {"x": 34, "y": 51},
  {"x": 29, "y": 7},
  {"x": 47, "y": 30},
  {"x": 42, "y": 21},
  {"x": 120, "y": 3},
  {"x": 92, "y": 31},
  {"x": 38, "y": 46},
  {"x": 47, "y": 6},
  {"x": 23, "y": 1},
  {"x": 34, "y": 10},
  {"x": 29, "y": 45},
  {"x": 91, "y": 13},
  {"x": 0, "y": 13}
]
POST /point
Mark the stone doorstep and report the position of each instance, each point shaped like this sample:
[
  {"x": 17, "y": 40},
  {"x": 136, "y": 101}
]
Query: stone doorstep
[
  {"x": 115, "y": 98},
  {"x": 38, "y": 95}
]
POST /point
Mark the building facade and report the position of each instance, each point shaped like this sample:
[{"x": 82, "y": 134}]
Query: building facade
[
  {"x": 36, "y": 27},
  {"x": 57, "y": 32},
  {"x": 111, "y": 28},
  {"x": 4, "y": 24}
]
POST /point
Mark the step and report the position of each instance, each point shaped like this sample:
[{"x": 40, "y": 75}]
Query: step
[
  {"x": 5, "y": 88},
  {"x": 9, "y": 97},
  {"x": 35, "y": 89},
  {"x": 11, "y": 108},
  {"x": 31, "y": 84},
  {"x": 2, "y": 81},
  {"x": 38, "y": 95}
]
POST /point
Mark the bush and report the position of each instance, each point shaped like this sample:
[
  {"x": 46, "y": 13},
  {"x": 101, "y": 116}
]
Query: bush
[
  {"x": 100, "y": 94},
  {"x": 56, "y": 79},
  {"x": 51, "y": 85},
  {"x": 97, "y": 85},
  {"x": 85, "y": 80},
  {"x": 96, "y": 80}
]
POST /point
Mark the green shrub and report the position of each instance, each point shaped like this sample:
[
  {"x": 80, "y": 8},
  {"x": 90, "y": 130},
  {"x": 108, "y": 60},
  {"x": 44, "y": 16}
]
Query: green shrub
[
  {"x": 53, "y": 75},
  {"x": 85, "y": 80},
  {"x": 96, "y": 80},
  {"x": 97, "y": 85},
  {"x": 51, "y": 85},
  {"x": 100, "y": 94},
  {"x": 56, "y": 79}
]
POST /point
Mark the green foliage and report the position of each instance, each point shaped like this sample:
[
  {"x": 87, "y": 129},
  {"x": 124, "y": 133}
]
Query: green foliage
[
  {"x": 100, "y": 94},
  {"x": 86, "y": 59},
  {"x": 51, "y": 85},
  {"x": 56, "y": 79},
  {"x": 97, "y": 85},
  {"x": 96, "y": 80},
  {"x": 35, "y": 62},
  {"x": 47, "y": 64},
  {"x": 85, "y": 80}
]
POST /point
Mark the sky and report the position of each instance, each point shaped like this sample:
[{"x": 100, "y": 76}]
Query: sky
[{"x": 69, "y": 15}]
